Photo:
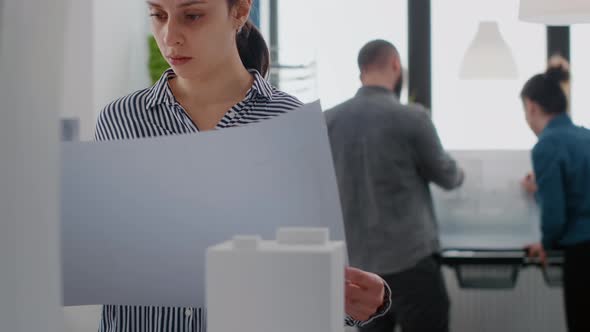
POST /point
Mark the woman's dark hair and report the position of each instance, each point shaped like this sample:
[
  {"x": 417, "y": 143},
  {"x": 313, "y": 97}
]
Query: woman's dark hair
[
  {"x": 253, "y": 49},
  {"x": 251, "y": 46},
  {"x": 545, "y": 89}
]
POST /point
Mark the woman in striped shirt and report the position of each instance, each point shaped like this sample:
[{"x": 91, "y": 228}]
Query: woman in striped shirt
[{"x": 218, "y": 63}]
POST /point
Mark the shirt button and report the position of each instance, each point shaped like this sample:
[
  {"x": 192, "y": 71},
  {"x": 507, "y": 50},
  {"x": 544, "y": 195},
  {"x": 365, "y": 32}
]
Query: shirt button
[
  {"x": 232, "y": 114},
  {"x": 188, "y": 312}
]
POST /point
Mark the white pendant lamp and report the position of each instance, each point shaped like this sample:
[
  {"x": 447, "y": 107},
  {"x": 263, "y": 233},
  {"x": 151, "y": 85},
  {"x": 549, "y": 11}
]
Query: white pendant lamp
[
  {"x": 555, "y": 12},
  {"x": 488, "y": 57}
]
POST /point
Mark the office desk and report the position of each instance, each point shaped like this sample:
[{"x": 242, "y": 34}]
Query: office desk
[{"x": 498, "y": 269}]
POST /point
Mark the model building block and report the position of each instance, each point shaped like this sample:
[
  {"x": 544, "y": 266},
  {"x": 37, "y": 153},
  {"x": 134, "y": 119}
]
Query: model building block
[{"x": 292, "y": 284}]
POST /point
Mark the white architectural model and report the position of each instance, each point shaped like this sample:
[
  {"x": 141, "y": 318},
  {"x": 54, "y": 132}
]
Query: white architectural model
[{"x": 293, "y": 284}]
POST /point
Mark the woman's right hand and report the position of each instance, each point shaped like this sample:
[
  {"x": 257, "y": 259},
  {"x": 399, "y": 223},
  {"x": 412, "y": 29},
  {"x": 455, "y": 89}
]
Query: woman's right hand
[
  {"x": 537, "y": 251},
  {"x": 529, "y": 183}
]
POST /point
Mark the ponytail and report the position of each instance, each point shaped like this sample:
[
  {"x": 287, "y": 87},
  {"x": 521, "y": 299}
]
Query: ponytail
[
  {"x": 557, "y": 74},
  {"x": 253, "y": 49}
]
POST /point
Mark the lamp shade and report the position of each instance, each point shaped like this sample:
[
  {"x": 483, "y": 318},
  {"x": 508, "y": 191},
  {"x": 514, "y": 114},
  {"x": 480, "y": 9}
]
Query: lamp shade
[
  {"x": 488, "y": 56},
  {"x": 555, "y": 12}
]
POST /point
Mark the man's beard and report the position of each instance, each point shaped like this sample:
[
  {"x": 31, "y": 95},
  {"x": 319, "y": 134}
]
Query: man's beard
[{"x": 398, "y": 86}]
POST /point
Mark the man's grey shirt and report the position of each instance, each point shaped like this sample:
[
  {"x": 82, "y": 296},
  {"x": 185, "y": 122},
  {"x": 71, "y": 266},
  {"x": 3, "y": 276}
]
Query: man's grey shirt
[{"x": 385, "y": 155}]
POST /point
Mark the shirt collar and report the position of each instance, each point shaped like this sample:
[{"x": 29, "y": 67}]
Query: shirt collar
[
  {"x": 560, "y": 121},
  {"x": 160, "y": 93},
  {"x": 376, "y": 90},
  {"x": 261, "y": 86}
]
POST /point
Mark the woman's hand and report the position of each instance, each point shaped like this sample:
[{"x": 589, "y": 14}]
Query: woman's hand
[
  {"x": 364, "y": 293},
  {"x": 529, "y": 183},
  {"x": 536, "y": 251}
]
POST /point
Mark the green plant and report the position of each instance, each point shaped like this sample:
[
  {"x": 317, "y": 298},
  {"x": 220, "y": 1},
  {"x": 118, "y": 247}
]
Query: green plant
[{"x": 157, "y": 64}]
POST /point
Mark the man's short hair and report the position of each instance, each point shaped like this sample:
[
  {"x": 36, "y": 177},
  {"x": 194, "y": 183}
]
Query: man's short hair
[{"x": 376, "y": 53}]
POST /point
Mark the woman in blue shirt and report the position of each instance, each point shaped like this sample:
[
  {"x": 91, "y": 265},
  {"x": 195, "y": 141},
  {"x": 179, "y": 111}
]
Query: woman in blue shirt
[{"x": 561, "y": 164}]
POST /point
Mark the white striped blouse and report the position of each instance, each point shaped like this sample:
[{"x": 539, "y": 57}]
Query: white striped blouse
[{"x": 155, "y": 112}]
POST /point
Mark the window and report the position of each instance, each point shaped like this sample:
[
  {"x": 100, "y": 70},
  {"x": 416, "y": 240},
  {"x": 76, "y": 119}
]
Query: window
[
  {"x": 482, "y": 114},
  {"x": 580, "y": 53},
  {"x": 329, "y": 34}
]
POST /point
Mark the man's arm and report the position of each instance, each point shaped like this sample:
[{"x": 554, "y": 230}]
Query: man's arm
[{"x": 434, "y": 163}]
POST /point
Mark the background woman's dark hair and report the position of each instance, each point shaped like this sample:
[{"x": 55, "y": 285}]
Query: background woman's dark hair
[
  {"x": 545, "y": 89},
  {"x": 251, "y": 46}
]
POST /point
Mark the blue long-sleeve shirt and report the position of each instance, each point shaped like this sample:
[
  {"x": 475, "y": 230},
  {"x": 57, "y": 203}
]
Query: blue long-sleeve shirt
[{"x": 561, "y": 162}]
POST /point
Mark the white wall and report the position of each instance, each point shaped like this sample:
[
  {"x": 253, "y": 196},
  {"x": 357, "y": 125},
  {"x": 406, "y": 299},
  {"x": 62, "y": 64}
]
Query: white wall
[
  {"x": 342, "y": 30},
  {"x": 82, "y": 319},
  {"x": 106, "y": 56},
  {"x": 120, "y": 49},
  {"x": 580, "y": 66},
  {"x": 332, "y": 32},
  {"x": 470, "y": 114},
  {"x": 78, "y": 77},
  {"x": 31, "y": 59}
]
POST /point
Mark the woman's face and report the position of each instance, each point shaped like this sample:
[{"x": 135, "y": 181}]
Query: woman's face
[
  {"x": 531, "y": 114},
  {"x": 197, "y": 37}
]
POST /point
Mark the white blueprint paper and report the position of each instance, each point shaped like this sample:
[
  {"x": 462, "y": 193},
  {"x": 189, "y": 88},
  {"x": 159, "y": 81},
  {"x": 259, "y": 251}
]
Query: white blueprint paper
[{"x": 138, "y": 215}]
